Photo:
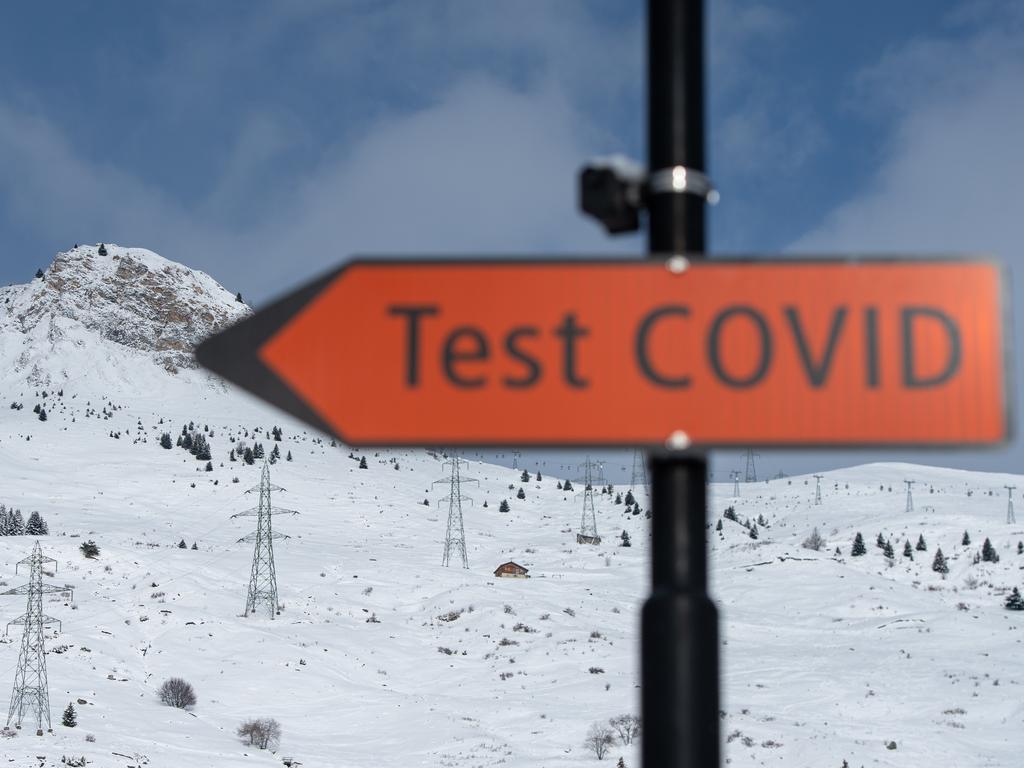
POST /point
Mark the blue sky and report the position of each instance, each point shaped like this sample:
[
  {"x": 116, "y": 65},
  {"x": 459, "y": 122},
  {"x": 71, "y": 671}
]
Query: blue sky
[{"x": 263, "y": 142}]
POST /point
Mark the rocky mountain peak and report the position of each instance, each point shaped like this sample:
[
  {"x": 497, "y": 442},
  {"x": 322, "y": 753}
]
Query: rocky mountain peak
[{"x": 130, "y": 296}]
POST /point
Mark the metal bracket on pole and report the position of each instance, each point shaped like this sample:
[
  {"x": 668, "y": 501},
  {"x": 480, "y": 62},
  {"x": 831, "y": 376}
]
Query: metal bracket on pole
[{"x": 682, "y": 180}]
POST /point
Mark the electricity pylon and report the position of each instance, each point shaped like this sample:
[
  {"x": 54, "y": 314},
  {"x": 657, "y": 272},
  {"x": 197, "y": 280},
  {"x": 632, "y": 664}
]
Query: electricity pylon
[
  {"x": 817, "y": 489},
  {"x": 1011, "y": 519},
  {"x": 750, "y": 476},
  {"x": 31, "y": 693},
  {"x": 639, "y": 476},
  {"x": 455, "y": 535},
  {"x": 910, "y": 495},
  {"x": 263, "y": 577},
  {"x": 735, "y": 483},
  {"x": 515, "y": 459},
  {"x": 588, "y": 520}
]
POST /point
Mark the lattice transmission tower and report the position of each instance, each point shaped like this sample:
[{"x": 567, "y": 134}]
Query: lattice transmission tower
[
  {"x": 31, "y": 695},
  {"x": 515, "y": 459},
  {"x": 1011, "y": 519},
  {"x": 735, "y": 483},
  {"x": 592, "y": 471},
  {"x": 262, "y": 595},
  {"x": 910, "y": 495},
  {"x": 817, "y": 489},
  {"x": 455, "y": 534},
  {"x": 750, "y": 475},
  {"x": 639, "y": 476}
]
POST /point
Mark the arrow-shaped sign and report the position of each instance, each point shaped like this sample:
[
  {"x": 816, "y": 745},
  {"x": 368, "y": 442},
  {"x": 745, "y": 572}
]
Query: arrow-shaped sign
[{"x": 568, "y": 353}]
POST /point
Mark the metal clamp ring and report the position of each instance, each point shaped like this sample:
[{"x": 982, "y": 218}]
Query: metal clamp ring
[{"x": 680, "y": 179}]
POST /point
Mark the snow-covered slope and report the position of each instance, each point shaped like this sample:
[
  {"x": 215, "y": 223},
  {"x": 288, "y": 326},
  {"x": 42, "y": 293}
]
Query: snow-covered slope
[{"x": 826, "y": 656}]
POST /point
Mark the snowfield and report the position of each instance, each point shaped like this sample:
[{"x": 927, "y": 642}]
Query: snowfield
[{"x": 382, "y": 657}]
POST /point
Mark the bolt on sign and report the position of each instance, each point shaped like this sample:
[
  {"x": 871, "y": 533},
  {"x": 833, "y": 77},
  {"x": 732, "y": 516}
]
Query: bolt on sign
[{"x": 571, "y": 353}]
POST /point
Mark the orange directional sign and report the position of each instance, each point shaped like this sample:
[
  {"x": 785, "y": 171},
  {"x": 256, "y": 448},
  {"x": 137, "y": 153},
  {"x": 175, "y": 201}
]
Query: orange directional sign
[{"x": 572, "y": 353}]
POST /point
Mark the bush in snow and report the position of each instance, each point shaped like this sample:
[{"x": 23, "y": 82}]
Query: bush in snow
[
  {"x": 600, "y": 738},
  {"x": 1015, "y": 602},
  {"x": 261, "y": 732},
  {"x": 627, "y": 726},
  {"x": 814, "y": 541},
  {"x": 90, "y": 549},
  {"x": 176, "y": 692}
]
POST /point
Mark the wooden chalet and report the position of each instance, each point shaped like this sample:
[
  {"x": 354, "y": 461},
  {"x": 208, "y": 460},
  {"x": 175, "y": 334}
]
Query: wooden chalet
[{"x": 511, "y": 570}]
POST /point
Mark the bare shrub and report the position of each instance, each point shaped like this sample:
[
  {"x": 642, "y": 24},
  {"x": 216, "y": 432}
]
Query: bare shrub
[
  {"x": 814, "y": 541},
  {"x": 176, "y": 692},
  {"x": 627, "y": 726},
  {"x": 600, "y": 738},
  {"x": 261, "y": 732}
]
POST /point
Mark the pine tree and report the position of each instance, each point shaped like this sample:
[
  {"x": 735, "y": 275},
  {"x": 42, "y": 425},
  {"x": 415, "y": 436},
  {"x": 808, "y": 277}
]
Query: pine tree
[
  {"x": 1020, "y": 547},
  {"x": 1015, "y": 602},
  {"x": 908, "y": 551},
  {"x": 558, "y": 485},
  {"x": 858, "y": 546},
  {"x": 209, "y": 466},
  {"x": 257, "y": 451},
  {"x": 194, "y": 545},
  {"x": 231, "y": 456},
  {"x": 182, "y": 544},
  {"x": 521, "y": 494},
  {"x": 248, "y": 456},
  {"x": 17, "y": 524},
  {"x": 525, "y": 477},
  {"x": 40, "y": 274},
  {"x": 289, "y": 456},
  {"x": 539, "y": 478},
  {"x": 165, "y": 441},
  {"x": 618, "y": 498},
  {"x": 966, "y": 540},
  {"x": 566, "y": 486},
  {"x": 103, "y": 250},
  {"x": 362, "y": 462},
  {"x": 719, "y": 526},
  {"x": 629, "y": 498},
  {"x": 238, "y": 297},
  {"x": 939, "y": 563},
  {"x": 880, "y": 542},
  {"x": 753, "y": 531},
  {"x": 89, "y": 549},
  {"x": 70, "y": 720},
  {"x": 888, "y": 551},
  {"x": 42, "y": 414},
  {"x": 988, "y": 552},
  {"x": 625, "y": 538},
  {"x": 503, "y": 507},
  {"x": 921, "y": 546},
  {"x": 35, "y": 525},
  {"x": 186, "y": 441}
]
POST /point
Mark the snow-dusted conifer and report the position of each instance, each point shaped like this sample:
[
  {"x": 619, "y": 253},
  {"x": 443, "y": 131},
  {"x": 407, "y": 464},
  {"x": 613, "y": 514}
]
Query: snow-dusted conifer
[
  {"x": 1015, "y": 602},
  {"x": 858, "y": 546}
]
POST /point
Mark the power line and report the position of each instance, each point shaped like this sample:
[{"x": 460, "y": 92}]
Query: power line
[
  {"x": 750, "y": 475},
  {"x": 455, "y": 533},
  {"x": 588, "y": 520},
  {"x": 31, "y": 693},
  {"x": 263, "y": 576}
]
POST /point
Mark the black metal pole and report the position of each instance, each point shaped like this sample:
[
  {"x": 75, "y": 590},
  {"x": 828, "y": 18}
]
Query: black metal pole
[{"x": 679, "y": 644}]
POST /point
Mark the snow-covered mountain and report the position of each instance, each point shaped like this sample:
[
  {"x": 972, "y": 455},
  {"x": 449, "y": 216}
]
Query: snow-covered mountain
[
  {"x": 110, "y": 300},
  {"x": 383, "y": 657}
]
